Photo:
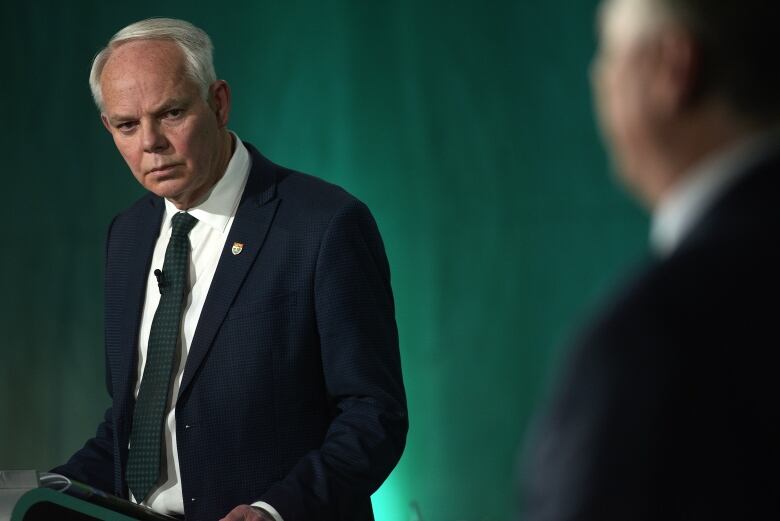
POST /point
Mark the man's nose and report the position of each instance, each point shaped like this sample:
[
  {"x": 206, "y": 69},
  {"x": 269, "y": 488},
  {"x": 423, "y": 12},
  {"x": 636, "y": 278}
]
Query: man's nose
[{"x": 154, "y": 139}]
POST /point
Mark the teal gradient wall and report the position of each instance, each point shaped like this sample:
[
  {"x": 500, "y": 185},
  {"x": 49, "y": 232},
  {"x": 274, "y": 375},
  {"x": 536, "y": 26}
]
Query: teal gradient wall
[{"x": 466, "y": 127}]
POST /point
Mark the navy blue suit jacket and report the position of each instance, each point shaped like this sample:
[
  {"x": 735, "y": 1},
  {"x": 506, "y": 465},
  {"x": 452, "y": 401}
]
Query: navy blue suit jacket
[
  {"x": 667, "y": 406},
  {"x": 292, "y": 390}
]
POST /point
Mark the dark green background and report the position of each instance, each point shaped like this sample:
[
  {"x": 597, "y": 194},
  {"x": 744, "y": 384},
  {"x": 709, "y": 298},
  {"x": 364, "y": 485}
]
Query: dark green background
[{"x": 465, "y": 126}]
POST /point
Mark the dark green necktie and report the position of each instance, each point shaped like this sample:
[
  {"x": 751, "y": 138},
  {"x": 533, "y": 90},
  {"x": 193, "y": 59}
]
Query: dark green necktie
[{"x": 146, "y": 447}]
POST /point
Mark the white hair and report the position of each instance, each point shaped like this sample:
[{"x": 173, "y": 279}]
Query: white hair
[
  {"x": 194, "y": 43},
  {"x": 632, "y": 20}
]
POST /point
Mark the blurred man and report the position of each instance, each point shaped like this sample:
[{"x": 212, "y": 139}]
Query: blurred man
[
  {"x": 251, "y": 345},
  {"x": 667, "y": 407}
]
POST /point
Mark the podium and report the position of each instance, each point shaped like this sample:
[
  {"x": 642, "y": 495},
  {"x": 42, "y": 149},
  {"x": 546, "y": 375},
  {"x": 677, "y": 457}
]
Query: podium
[
  {"x": 43, "y": 504},
  {"x": 27, "y": 495}
]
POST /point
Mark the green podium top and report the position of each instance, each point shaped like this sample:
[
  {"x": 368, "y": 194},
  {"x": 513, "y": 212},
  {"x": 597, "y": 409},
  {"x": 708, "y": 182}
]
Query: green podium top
[{"x": 42, "y": 504}]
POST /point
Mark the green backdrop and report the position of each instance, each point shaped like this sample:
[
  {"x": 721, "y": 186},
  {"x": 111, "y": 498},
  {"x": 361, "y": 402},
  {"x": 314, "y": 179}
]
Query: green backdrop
[{"x": 465, "y": 126}]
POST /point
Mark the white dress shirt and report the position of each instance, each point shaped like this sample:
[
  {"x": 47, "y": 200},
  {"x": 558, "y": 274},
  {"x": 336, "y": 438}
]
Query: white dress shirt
[
  {"x": 215, "y": 217},
  {"x": 679, "y": 212}
]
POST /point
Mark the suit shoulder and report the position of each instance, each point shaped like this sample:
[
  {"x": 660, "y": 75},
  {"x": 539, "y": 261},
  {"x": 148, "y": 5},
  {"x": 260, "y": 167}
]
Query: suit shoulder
[
  {"x": 695, "y": 304},
  {"x": 129, "y": 223},
  {"x": 145, "y": 203},
  {"x": 316, "y": 195}
]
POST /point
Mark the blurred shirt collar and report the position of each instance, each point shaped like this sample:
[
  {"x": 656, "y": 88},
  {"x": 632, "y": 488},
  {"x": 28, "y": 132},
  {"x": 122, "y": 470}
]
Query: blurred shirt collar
[{"x": 683, "y": 208}]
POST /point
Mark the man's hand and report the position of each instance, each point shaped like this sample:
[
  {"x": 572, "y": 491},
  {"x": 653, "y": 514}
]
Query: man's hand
[{"x": 247, "y": 513}]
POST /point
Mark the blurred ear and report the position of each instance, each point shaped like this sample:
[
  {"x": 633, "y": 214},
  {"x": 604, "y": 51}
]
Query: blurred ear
[
  {"x": 677, "y": 77},
  {"x": 106, "y": 124},
  {"x": 219, "y": 96}
]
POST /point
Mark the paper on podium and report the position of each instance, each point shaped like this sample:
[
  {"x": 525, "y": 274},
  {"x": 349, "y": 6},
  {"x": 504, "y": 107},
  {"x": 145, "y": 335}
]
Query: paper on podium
[
  {"x": 16, "y": 483},
  {"x": 13, "y": 485}
]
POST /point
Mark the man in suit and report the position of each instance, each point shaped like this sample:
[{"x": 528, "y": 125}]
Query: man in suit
[
  {"x": 667, "y": 405},
  {"x": 251, "y": 346}
]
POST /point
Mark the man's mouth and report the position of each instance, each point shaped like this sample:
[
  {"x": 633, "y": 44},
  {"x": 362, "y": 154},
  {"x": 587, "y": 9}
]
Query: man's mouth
[{"x": 163, "y": 169}]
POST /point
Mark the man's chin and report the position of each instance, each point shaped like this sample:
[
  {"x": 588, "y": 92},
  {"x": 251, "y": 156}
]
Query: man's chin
[{"x": 166, "y": 191}]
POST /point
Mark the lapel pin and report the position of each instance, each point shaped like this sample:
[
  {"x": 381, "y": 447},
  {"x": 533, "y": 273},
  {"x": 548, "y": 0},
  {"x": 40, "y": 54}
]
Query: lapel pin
[{"x": 237, "y": 248}]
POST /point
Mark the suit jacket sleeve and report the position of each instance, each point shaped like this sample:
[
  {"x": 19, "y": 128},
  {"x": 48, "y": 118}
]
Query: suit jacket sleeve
[
  {"x": 93, "y": 464},
  {"x": 361, "y": 365}
]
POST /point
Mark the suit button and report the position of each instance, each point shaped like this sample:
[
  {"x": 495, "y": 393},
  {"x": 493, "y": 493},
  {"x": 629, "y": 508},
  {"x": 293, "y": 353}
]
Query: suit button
[{"x": 192, "y": 499}]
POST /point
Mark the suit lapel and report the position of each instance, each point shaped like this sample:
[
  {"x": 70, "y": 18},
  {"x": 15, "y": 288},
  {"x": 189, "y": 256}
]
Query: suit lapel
[{"x": 250, "y": 226}]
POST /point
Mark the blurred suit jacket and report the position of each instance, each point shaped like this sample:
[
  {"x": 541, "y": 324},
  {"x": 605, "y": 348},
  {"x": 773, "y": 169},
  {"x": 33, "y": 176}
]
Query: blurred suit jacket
[
  {"x": 667, "y": 407},
  {"x": 292, "y": 391}
]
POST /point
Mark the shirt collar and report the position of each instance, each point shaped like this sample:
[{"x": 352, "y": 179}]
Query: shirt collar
[
  {"x": 221, "y": 203},
  {"x": 677, "y": 214}
]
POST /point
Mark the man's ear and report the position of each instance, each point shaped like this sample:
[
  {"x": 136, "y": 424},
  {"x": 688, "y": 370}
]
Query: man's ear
[
  {"x": 106, "y": 124},
  {"x": 677, "y": 81},
  {"x": 219, "y": 96}
]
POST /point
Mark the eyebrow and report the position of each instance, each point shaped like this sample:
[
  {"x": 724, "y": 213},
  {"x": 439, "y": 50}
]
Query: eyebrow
[
  {"x": 171, "y": 104},
  {"x": 117, "y": 119}
]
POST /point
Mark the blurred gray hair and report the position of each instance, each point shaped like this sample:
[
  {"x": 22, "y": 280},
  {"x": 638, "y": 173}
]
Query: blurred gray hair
[{"x": 194, "y": 43}]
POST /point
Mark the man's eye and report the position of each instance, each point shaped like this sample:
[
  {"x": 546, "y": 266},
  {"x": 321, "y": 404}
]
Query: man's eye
[
  {"x": 174, "y": 113},
  {"x": 127, "y": 126}
]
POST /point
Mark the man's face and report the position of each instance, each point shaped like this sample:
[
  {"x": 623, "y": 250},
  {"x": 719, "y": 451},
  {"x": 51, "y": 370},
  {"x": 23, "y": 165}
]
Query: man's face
[
  {"x": 621, "y": 75},
  {"x": 168, "y": 135}
]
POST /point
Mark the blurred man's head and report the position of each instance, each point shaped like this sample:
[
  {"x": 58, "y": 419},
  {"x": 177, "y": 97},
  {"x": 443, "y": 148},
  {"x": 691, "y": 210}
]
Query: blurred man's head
[{"x": 676, "y": 80}]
